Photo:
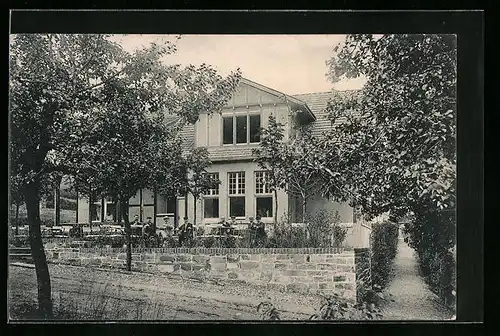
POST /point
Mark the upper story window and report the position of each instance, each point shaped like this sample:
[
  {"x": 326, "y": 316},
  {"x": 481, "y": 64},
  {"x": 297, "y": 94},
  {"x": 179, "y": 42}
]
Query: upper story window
[
  {"x": 261, "y": 183},
  {"x": 236, "y": 183},
  {"x": 241, "y": 129},
  {"x": 215, "y": 189}
]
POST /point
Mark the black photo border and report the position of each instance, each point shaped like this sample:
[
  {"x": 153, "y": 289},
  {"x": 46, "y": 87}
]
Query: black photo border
[{"x": 469, "y": 28}]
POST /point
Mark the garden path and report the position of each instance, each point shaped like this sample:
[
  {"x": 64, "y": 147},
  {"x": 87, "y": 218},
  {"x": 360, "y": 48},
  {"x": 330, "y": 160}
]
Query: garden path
[{"x": 411, "y": 299}]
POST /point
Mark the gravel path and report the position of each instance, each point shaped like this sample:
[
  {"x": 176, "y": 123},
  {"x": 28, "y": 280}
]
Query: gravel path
[
  {"x": 179, "y": 299},
  {"x": 413, "y": 300}
]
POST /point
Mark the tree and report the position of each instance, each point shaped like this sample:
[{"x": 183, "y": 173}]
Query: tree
[
  {"x": 400, "y": 144},
  {"x": 61, "y": 84},
  {"x": 16, "y": 199},
  {"x": 198, "y": 181},
  {"x": 301, "y": 176},
  {"x": 269, "y": 156},
  {"x": 398, "y": 147}
]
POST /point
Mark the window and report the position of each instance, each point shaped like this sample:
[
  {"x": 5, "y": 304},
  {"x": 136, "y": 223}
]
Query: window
[
  {"x": 236, "y": 187},
  {"x": 255, "y": 128},
  {"x": 237, "y": 206},
  {"x": 262, "y": 183},
  {"x": 211, "y": 207},
  {"x": 241, "y": 129},
  {"x": 211, "y": 199},
  {"x": 165, "y": 205},
  {"x": 215, "y": 189},
  {"x": 236, "y": 183},
  {"x": 227, "y": 130},
  {"x": 264, "y": 198},
  {"x": 265, "y": 206}
]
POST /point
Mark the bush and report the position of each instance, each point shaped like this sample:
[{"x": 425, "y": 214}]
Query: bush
[
  {"x": 322, "y": 226},
  {"x": 432, "y": 234},
  {"x": 339, "y": 309},
  {"x": 384, "y": 245}
]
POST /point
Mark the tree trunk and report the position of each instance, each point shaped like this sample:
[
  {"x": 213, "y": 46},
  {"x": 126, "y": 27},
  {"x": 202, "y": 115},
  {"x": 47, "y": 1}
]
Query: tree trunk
[
  {"x": 275, "y": 210},
  {"x": 128, "y": 230},
  {"x": 57, "y": 202},
  {"x": 17, "y": 219},
  {"x": 194, "y": 208},
  {"x": 37, "y": 251}
]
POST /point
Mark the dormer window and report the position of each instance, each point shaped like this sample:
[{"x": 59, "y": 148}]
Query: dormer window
[{"x": 241, "y": 129}]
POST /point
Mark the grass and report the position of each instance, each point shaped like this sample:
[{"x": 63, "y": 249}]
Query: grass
[{"x": 99, "y": 302}]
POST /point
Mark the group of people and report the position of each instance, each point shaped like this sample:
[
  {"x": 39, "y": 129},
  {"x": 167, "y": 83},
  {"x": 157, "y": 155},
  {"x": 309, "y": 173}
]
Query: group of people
[{"x": 185, "y": 232}]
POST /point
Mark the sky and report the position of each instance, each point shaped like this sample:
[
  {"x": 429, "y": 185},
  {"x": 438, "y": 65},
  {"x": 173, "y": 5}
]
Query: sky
[{"x": 292, "y": 64}]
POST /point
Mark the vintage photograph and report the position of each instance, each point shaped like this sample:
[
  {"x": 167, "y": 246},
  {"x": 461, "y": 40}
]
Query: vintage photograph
[{"x": 232, "y": 177}]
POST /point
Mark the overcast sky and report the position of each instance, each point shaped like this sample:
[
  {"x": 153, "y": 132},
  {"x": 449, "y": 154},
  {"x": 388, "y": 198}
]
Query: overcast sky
[{"x": 291, "y": 64}]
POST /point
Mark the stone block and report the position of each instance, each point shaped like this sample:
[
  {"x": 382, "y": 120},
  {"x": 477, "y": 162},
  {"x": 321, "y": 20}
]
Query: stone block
[
  {"x": 306, "y": 266},
  {"x": 233, "y": 258},
  {"x": 218, "y": 259},
  {"x": 218, "y": 266},
  {"x": 344, "y": 285},
  {"x": 321, "y": 278},
  {"x": 339, "y": 278},
  {"x": 319, "y": 273},
  {"x": 318, "y": 258},
  {"x": 201, "y": 259},
  {"x": 280, "y": 266},
  {"x": 299, "y": 258},
  {"x": 267, "y": 266},
  {"x": 245, "y": 265},
  {"x": 184, "y": 258},
  {"x": 255, "y": 257},
  {"x": 198, "y": 267},
  {"x": 167, "y": 258},
  {"x": 231, "y": 265},
  {"x": 294, "y": 273},
  {"x": 268, "y": 257},
  {"x": 326, "y": 266},
  {"x": 282, "y": 257},
  {"x": 166, "y": 268},
  {"x": 186, "y": 266},
  {"x": 345, "y": 268}
]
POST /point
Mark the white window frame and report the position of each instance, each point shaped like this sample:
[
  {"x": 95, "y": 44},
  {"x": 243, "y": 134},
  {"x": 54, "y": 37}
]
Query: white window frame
[
  {"x": 238, "y": 191},
  {"x": 213, "y": 193},
  {"x": 266, "y": 191},
  {"x": 239, "y": 114}
]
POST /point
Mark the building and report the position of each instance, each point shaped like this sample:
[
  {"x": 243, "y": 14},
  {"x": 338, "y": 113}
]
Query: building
[{"x": 230, "y": 137}]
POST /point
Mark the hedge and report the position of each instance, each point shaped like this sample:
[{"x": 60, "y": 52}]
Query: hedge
[{"x": 384, "y": 244}]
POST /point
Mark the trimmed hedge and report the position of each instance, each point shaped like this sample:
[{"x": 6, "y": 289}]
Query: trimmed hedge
[{"x": 384, "y": 244}]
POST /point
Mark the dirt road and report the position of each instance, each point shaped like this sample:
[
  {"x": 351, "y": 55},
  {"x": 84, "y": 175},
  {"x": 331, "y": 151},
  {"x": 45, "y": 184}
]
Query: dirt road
[{"x": 105, "y": 294}]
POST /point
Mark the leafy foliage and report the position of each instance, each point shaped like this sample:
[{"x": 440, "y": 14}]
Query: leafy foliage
[
  {"x": 384, "y": 245},
  {"x": 337, "y": 308},
  {"x": 268, "y": 312},
  {"x": 82, "y": 105}
]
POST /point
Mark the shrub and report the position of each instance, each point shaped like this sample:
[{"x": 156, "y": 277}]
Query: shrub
[
  {"x": 322, "y": 226},
  {"x": 338, "y": 308},
  {"x": 384, "y": 244},
  {"x": 432, "y": 234}
]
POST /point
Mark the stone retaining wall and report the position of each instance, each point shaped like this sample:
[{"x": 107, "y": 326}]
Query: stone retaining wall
[{"x": 326, "y": 271}]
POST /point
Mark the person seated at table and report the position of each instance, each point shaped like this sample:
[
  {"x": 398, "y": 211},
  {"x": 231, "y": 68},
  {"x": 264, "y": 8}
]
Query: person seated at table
[
  {"x": 185, "y": 231},
  {"x": 260, "y": 230}
]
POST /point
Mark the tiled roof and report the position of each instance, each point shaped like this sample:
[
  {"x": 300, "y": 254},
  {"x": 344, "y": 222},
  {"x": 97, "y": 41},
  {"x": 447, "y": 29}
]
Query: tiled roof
[
  {"x": 230, "y": 153},
  {"x": 318, "y": 102}
]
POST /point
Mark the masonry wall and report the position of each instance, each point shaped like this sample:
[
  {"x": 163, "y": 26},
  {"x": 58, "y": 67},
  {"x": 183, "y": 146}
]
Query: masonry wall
[{"x": 325, "y": 271}]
